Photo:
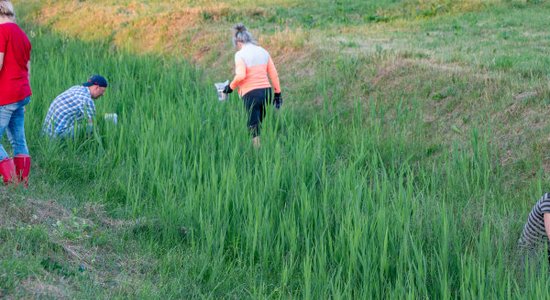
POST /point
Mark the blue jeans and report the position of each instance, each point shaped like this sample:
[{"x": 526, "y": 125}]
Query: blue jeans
[{"x": 12, "y": 120}]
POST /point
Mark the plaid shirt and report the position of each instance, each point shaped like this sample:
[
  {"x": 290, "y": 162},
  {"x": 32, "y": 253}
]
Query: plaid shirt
[{"x": 67, "y": 109}]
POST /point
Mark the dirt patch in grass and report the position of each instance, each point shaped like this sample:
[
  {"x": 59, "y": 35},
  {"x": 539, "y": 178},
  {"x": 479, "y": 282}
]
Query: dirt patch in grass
[
  {"x": 83, "y": 241},
  {"x": 37, "y": 289},
  {"x": 387, "y": 71}
]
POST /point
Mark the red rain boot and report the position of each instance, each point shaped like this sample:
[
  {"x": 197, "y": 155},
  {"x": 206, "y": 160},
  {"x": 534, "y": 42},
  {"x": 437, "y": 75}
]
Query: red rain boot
[
  {"x": 7, "y": 170},
  {"x": 22, "y": 168}
]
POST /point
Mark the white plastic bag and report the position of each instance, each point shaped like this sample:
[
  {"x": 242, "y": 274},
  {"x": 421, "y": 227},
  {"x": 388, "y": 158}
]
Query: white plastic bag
[
  {"x": 219, "y": 87},
  {"x": 111, "y": 117}
]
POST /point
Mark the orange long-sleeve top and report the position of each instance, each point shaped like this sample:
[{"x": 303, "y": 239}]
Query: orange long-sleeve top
[{"x": 253, "y": 65}]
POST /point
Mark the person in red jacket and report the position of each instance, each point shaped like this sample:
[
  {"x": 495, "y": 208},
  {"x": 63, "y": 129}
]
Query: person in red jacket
[
  {"x": 253, "y": 65},
  {"x": 15, "y": 92}
]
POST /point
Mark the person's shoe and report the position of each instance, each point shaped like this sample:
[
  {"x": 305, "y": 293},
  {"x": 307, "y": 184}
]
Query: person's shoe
[
  {"x": 7, "y": 170},
  {"x": 22, "y": 168}
]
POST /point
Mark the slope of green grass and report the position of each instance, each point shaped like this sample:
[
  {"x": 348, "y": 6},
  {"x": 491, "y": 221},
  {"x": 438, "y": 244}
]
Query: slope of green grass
[
  {"x": 400, "y": 188},
  {"x": 333, "y": 206}
]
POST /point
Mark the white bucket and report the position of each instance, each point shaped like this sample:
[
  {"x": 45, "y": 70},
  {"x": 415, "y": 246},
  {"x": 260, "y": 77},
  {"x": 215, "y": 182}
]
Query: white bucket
[
  {"x": 219, "y": 87},
  {"x": 111, "y": 117}
]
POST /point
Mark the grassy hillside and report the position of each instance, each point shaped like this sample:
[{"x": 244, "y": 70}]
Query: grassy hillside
[
  {"x": 404, "y": 163},
  {"x": 462, "y": 61}
]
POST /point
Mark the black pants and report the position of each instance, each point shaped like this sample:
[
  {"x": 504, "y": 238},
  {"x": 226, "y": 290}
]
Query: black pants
[{"x": 255, "y": 103}]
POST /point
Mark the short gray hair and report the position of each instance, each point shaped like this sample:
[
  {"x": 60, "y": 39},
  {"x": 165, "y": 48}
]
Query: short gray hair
[
  {"x": 6, "y": 9},
  {"x": 242, "y": 35}
]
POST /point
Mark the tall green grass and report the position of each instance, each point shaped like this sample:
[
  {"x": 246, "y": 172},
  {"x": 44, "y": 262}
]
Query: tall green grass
[{"x": 342, "y": 204}]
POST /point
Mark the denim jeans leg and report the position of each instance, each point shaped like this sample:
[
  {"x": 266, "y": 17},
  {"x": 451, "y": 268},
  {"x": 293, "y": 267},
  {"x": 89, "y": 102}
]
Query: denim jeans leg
[
  {"x": 5, "y": 116},
  {"x": 16, "y": 129}
]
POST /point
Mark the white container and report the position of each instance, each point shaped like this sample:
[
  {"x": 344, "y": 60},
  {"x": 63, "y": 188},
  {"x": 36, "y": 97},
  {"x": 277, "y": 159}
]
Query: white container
[
  {"x": 219, "y": 87},
  {"x": 111, "y": 117}
]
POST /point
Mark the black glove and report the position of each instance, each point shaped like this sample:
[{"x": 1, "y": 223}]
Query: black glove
[
  {"x": 227, "y": 89},
  {"x": 278, "y": 100}
]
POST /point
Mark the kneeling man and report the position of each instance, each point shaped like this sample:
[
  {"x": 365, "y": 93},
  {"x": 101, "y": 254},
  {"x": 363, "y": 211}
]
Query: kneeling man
[{"x": 72, "y": 106}]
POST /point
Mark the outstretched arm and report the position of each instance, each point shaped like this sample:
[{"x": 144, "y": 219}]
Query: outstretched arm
[
  {"x": 273, "y": 75},
  {"x": 90, "y": 126},
  {"x": 88, "y": 110},
  {"x": 547, "y": 224},
  {"x": 240, "y": 73}
]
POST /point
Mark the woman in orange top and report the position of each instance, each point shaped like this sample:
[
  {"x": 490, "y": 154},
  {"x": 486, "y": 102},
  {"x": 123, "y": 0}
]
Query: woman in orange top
[{"x": 253, "y": 65}]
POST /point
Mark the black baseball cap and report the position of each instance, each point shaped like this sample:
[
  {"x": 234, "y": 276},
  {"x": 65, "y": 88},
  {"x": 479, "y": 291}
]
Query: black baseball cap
[{"x": 96, "y": 80}]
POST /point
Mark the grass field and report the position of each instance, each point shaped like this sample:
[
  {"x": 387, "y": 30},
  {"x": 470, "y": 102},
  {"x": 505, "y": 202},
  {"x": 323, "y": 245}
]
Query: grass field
[{"x": 403, "y": 164}]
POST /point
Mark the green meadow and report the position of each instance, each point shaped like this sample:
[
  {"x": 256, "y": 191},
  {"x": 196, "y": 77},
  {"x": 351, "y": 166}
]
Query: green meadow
[{"x": 403, "y": 166}]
